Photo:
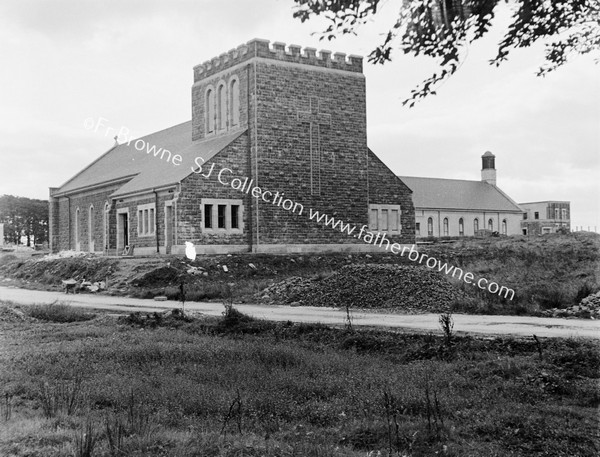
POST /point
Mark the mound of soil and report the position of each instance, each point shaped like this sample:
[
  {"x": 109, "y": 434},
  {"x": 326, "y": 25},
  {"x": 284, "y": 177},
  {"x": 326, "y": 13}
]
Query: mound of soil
[
  {"x": 159, "y": 277},
  {"x": 52, "y": 271},
  {"x": 409, "y": 288}
]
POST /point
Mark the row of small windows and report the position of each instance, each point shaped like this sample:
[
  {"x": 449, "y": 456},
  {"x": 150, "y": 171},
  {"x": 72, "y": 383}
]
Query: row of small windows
[
  {"x": 146, "y": 220},
  {"x": 558, "y": 214},
  {"x": 223, "y": 215},
  {"x": 461, "y": 226},
  {"x": 384, "y": 218},
  {"x": 223, "y": 106}
]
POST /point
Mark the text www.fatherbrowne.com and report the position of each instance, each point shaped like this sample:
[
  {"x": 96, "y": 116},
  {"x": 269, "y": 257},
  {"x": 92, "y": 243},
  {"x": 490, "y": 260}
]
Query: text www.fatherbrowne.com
[
  {"x": 431, "y": 262},
  {"x": 246, "y": 185}
]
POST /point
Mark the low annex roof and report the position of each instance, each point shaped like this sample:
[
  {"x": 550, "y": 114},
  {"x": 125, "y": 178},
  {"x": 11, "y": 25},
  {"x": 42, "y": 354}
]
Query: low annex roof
[
  {"x": 145, "y": 170},
  {"x": 455, "y": 194}
]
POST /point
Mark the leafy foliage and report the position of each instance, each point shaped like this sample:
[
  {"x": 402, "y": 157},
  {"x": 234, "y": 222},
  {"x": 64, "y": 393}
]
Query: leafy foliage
[
  {"x": 24, "y": 217},
  {"x": 442, "y": 29}
]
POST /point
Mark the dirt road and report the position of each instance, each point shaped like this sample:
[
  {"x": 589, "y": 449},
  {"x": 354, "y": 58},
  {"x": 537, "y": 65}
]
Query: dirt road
[{"x": 488, "y": 325}]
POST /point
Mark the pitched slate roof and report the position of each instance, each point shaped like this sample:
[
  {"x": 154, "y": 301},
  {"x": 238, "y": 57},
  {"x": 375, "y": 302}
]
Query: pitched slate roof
[
  {"x": 441, "y": 193},
  {"x": 143, "y": 170}
]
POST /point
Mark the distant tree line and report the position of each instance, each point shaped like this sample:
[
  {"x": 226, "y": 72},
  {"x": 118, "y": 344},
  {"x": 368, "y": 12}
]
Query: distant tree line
[{"x": 24, "y": 217}]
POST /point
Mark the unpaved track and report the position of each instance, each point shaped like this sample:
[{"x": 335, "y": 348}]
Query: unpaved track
[{"x": 474, "y": 324}]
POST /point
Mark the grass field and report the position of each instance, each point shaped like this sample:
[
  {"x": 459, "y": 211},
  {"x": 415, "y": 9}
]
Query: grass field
[{"x": 74, "y": 384}]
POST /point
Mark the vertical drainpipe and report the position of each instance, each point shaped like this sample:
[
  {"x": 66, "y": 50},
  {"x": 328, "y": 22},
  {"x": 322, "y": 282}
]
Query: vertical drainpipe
[{"x": 156, "y": 220}]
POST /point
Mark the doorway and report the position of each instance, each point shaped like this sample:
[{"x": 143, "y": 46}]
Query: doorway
[
  {"x": 122, "y": 230},
  {"x": 168, "y": 228}
]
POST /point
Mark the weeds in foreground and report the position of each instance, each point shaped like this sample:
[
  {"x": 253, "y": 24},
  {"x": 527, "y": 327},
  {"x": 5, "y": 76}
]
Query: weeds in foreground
[
  {"x": 64, "y": 397},
  {"x": 6, "y": 408},
  {"x": 234, "y": 413},
  {"x": 86, "y": 439},
  {"x": 400, "y": 441},
  {"x": 447, "y": 325},
  {"x": 58, "y": 312}
]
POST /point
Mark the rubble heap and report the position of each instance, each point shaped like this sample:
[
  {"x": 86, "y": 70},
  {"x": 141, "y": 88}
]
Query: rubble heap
[
  {"x": 588, "y": 308},
  {"x": 409, "y": 288}
]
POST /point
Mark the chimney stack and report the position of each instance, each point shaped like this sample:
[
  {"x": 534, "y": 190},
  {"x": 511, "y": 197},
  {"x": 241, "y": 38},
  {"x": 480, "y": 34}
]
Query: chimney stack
[{"x": 488, "y": 168}]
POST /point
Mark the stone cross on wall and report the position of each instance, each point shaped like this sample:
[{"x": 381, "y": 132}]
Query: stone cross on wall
[{"x": 315, "y": 119}]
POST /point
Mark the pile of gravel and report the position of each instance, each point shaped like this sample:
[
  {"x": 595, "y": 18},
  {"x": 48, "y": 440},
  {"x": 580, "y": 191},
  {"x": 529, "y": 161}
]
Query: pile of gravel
[
  {"x": 588, "y": 308},
  {"x": 408, "y": 288}
]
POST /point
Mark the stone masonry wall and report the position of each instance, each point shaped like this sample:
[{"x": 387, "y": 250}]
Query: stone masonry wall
[
  {"x": 386, "y": 189},
  {"x": 195, "y": 187}
]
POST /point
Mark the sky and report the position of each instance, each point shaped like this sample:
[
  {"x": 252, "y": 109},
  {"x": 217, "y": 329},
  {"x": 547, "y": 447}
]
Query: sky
[{"x": 130, "y": 62}]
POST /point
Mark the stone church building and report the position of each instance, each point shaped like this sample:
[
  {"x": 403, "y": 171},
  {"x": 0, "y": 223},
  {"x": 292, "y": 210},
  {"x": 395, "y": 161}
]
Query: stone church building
[{"x": 277, "y": 133}]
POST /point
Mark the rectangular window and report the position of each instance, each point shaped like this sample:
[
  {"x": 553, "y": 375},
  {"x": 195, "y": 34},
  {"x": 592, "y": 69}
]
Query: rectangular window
[
  {"x": 208, "y": 216},
  {"x": 221, "y": 211},
  {"x": 146, "y": 220},
  {"x": 555, "y": 213},
  {"x": 564, "y": 213},
  {"x": 418, "y": 228},
  {"x": 394, "y": 219},
  {"x": 385, "y": 218},
  {"x": 524, "y": 216},
  {"x": 536, "y": 215},
  {"x": 222, "y": 215},
  {"x": 151, "y": 221},
  {"x": 235, "y": 219},
  {"x": 373, "y": 216}
]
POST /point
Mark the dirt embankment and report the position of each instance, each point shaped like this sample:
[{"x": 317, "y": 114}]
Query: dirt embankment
[{"x": 547, "y": 273}]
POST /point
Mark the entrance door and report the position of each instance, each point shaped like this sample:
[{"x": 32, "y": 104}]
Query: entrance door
[
  {"x": 168, "y": 228},
  {"x": 122, "y": 231}
]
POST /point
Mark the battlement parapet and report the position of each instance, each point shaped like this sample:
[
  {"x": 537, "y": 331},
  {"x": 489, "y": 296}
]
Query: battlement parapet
[{"x": 278, "y": 51}]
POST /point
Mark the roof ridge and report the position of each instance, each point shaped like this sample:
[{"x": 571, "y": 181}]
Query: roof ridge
[{"x": 441, "y": 179}]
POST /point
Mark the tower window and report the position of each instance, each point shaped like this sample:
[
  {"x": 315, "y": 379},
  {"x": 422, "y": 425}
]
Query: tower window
[
  {"x": 210, "y": 111},
  {"x": 234, "y": 105},
  {"x": 222, "y": 108}
]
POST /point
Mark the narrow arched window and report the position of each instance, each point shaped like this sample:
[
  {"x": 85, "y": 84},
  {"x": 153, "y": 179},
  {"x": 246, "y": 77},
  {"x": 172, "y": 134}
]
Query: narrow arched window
[
  {"x": 504, "y": 227},
  {"x": 234, "y": 105},
  {"x": 491, "y": 225},
  {"x": 91, "y": 229},
  {"x": 445, "y": 226},
  {"x": 222, "y": 108},
  {"x": 105, "y": 225},
  {"x": 461, "y": 227},
  {"x": 475, "y": 226},
  {"x": 77, "y": 231},
  {"x": 430, "y": 227},
  {"x": 210, "y": 111}
]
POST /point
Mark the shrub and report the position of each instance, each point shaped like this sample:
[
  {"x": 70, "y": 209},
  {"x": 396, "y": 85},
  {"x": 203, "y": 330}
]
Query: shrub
[{"x": 58, "y": 312}]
